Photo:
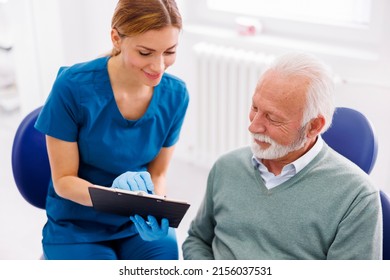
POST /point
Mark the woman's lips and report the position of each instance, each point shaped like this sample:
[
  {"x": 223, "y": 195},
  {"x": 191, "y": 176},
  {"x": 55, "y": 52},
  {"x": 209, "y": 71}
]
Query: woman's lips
[{"x": 152, "y": 76}]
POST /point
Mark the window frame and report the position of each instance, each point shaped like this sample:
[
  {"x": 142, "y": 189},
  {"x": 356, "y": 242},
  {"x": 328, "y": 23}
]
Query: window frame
[{"x": 364, "y": 36}]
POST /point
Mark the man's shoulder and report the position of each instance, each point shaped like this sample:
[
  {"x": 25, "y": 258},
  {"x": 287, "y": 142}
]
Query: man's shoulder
[{"x": 334, "y": 166}]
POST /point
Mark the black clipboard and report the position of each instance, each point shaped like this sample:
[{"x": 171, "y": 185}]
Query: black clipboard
[{"x": 129, "y": 203}]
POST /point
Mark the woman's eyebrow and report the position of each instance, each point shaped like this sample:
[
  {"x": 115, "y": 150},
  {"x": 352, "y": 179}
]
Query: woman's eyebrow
[{"x": 153, "y": 50}]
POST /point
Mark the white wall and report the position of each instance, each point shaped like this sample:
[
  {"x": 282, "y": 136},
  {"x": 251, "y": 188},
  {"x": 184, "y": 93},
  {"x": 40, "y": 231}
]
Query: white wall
[
  {"x": 36, "y": 47},
  {"x": 47, "y": 34}
]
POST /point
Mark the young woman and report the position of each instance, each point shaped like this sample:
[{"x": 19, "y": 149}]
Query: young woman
[{"x": 113, "y": 122}]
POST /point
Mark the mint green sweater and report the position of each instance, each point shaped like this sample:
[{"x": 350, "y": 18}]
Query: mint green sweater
[{"x": 329, "y": 210}]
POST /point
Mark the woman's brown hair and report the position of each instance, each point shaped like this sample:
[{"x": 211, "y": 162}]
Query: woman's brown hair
[{"x": 134, "y": 17}]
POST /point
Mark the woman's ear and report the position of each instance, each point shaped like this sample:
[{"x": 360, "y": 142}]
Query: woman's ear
[
  {"x": 315, "y": 126},
  {"x": 116, "y": 39}
]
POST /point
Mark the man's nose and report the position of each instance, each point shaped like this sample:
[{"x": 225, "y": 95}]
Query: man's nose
[{"x": 257, "y": 123}]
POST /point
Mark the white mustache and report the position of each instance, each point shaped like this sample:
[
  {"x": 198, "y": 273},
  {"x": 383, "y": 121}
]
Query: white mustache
[{"x": 263, "y": 138}]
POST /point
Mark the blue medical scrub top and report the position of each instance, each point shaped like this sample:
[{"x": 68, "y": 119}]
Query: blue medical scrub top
[{"x": 81, "y": 108}]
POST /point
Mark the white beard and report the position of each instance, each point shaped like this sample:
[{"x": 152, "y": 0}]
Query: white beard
[{"x": 275, "y": 150}]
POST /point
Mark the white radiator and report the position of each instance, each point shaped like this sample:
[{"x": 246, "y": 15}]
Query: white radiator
[{"x": 225, "y": 79}]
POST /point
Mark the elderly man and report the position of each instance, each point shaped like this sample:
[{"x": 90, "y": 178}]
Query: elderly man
[{"x": 289, "y": 195}]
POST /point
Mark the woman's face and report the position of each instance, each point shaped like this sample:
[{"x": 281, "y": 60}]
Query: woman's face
[{"x": 146, "y": 56}]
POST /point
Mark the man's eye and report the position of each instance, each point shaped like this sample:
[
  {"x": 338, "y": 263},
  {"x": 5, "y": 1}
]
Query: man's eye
[{"x": 272, "y": 120}]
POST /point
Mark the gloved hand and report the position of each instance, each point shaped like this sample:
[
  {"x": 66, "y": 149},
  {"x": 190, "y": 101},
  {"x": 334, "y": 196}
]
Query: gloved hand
[
  {"x": 134, "y": 181},
  {"x": 150, "y": 231}
]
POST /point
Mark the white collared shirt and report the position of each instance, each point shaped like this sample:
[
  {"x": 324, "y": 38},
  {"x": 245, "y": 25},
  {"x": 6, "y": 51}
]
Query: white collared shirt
[{"x": 291, "y": 169}]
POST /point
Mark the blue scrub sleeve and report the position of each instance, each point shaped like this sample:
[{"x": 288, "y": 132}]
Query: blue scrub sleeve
[
  {"x": 174, "y": 133},
  {"x": 60, "y": 116}
]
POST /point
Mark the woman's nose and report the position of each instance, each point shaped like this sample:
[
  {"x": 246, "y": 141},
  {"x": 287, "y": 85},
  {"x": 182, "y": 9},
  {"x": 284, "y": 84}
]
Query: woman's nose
[{"x": 158, "y": 64}]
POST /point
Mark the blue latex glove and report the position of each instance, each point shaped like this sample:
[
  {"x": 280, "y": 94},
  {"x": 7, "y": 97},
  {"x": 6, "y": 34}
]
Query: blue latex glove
[
  {"x": 150, "y": 231},
  {"x": 134, "y": 181}
]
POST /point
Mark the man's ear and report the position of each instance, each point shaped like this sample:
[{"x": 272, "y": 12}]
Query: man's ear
[{"x": 315, "y": 126}]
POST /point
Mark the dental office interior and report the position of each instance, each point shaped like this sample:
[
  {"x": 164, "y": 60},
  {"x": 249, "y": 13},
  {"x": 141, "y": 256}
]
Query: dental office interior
[{"x": 39, "y": 36}]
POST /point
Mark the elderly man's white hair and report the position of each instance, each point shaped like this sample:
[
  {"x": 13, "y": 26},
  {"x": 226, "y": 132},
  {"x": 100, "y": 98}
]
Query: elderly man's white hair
[{"x": 320, "y": 95}]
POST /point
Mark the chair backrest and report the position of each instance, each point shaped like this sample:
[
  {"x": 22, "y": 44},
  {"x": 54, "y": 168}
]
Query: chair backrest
[
  {"x": 386, "y": 225},
  {"x": 353, "y": 136},
  {"x": 30, "y": 163}
]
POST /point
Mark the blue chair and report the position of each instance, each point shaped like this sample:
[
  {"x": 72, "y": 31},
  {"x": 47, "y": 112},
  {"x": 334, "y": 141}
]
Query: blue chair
[
  {"x": 385, "y": 199},
  {"x": 30, "y": 163},
  {"x": 353, "y": 136}
]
